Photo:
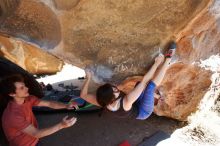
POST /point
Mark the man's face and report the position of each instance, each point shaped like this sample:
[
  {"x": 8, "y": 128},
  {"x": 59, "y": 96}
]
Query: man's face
[{"x": 21, "y": 90}]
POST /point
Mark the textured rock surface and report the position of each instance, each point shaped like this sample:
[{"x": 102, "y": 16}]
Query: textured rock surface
[
  {"x": 29, "y": 57},
  {"x": 65, "y": 4},
  {"x": 30, "y": 20},
  {"x": 201, "y": 38},
  {"x": 181, "y": 91},
  {"x": 117, "y": 39},
  {"x": 122, "y": 36}
]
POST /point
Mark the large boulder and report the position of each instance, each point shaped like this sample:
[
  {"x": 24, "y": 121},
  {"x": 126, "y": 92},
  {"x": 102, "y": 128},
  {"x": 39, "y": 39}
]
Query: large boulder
[
  {"x": 182, "y": 90},
  {"x": 121, "y": 38},
  {"x": 117, "y": 39},
  {"x": 198, "y": 41},
  {"x": 30, "y": 20},
  {"x": 29, "y": 57}
]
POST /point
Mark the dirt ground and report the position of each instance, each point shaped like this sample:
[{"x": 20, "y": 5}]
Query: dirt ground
[
  {"x": 107, "y": 130},
  {"x": 93, "y": 130}
]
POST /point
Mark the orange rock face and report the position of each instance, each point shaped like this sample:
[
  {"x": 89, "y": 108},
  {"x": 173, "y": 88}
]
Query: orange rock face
[
  {"x": 29, "y": 57},
  {"x": 181, "y": 91},
  {"x": 201, "y": 38}
]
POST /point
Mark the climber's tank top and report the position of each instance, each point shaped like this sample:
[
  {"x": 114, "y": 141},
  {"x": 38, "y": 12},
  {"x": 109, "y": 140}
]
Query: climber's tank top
[{"x": 118, "y": 109}]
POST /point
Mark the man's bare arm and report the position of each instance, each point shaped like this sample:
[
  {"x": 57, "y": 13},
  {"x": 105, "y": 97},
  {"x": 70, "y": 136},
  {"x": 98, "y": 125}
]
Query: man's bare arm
[
  {"x": 57, "y": 105},
  {"x": 39, "y": 133}
]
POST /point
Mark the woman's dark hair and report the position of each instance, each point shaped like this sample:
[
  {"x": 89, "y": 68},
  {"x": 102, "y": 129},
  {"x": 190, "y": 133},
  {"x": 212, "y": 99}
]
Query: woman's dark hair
[{"x": 105, "y": 95}]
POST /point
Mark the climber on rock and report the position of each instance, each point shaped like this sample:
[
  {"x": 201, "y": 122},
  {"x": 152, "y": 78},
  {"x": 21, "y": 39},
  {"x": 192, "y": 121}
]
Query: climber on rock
[{"x": 140, "y": 101}]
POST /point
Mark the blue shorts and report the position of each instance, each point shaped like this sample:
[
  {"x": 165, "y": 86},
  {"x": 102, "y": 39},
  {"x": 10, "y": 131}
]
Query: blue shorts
[{"x": 145, "y": 102}]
